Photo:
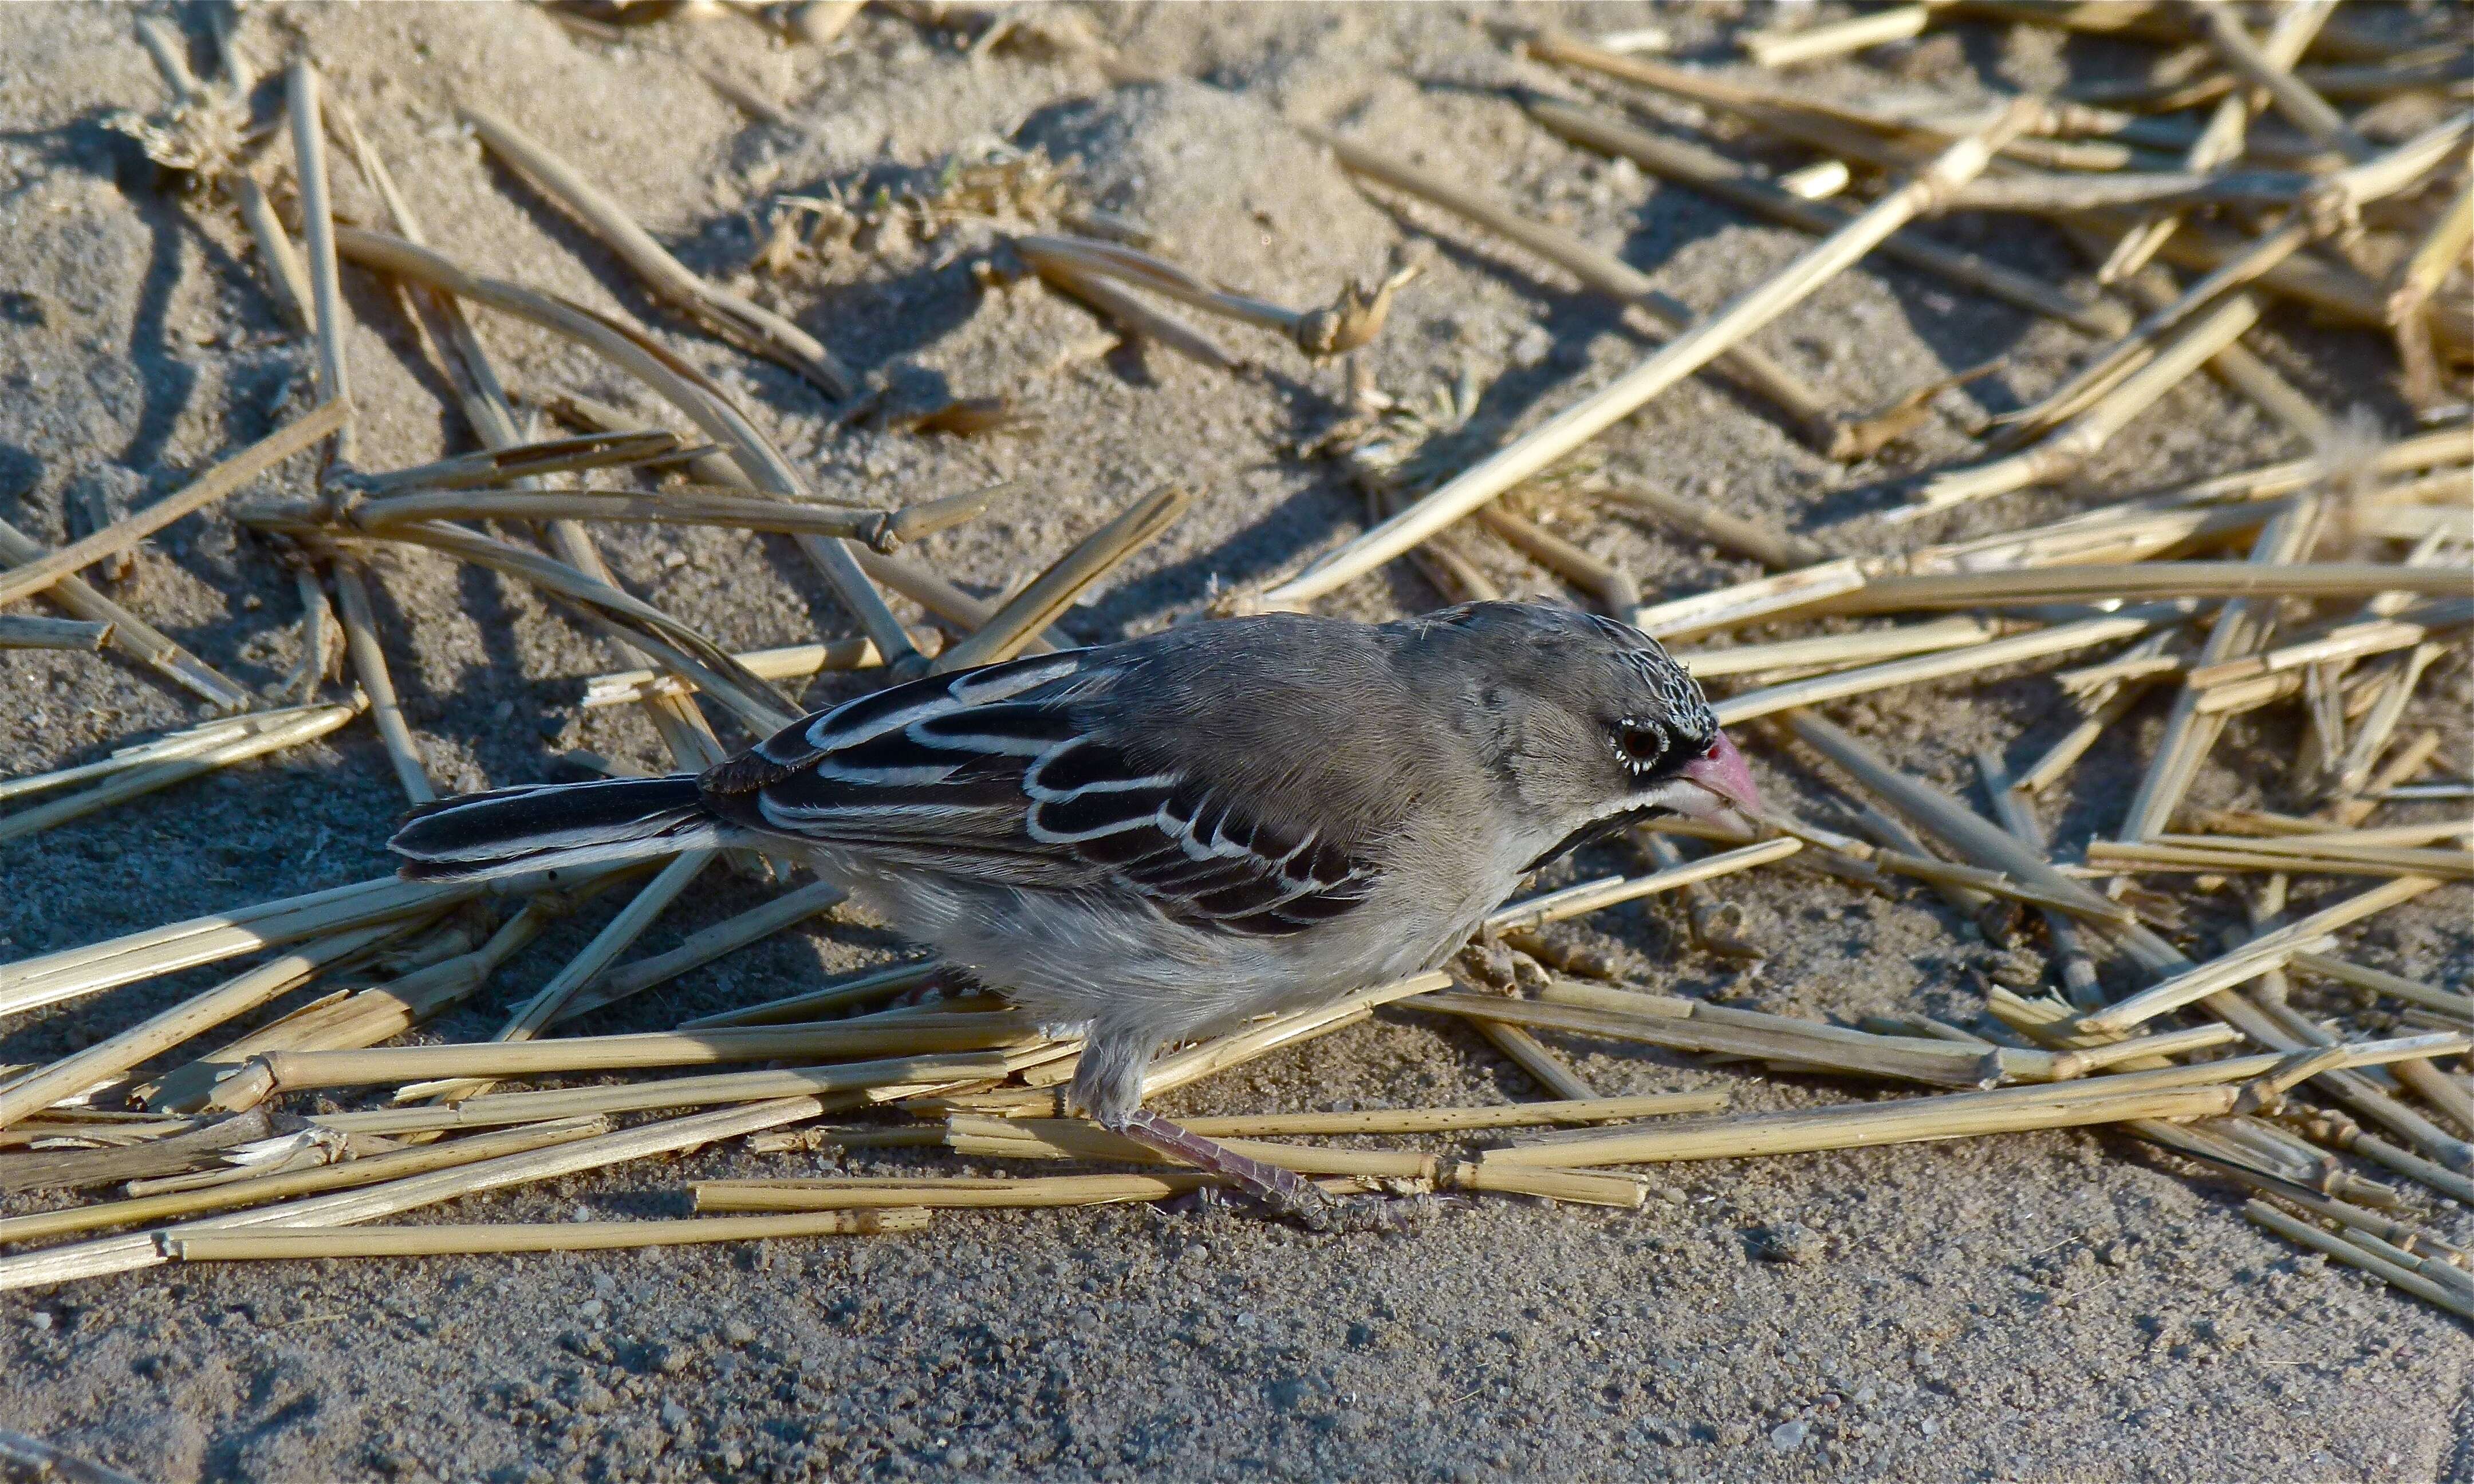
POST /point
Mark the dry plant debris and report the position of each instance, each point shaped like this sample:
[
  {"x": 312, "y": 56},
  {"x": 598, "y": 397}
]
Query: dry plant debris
[{"x": 2333, "y": 582}]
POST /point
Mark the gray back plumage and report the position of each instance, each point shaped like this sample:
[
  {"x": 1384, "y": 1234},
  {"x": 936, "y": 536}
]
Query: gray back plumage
[{"x": 1254, "y": 775}]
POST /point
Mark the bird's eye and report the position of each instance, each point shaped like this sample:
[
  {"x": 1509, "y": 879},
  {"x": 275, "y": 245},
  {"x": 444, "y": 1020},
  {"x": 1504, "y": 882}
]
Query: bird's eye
[{"x": 1640, "y": 743}]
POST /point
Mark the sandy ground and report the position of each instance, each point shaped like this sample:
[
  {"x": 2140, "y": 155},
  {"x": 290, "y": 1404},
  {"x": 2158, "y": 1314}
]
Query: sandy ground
[{"x": 2043, "y": 1307}]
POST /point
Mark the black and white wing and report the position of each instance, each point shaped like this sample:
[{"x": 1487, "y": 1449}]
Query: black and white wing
[{"x": 998, "y": 773}]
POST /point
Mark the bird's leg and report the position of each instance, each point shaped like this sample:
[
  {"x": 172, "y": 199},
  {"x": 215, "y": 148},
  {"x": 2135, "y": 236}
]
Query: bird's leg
[
  {"x": 1108, "y": 1087},
  {"x": 1285, "y": 1192}
]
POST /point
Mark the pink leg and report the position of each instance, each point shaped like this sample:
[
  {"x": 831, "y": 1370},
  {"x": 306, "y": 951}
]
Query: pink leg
[{"x": 1285, "y": 1191}]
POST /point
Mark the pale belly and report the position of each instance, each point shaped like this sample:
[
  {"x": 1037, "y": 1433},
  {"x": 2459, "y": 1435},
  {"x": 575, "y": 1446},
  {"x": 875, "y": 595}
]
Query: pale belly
[{"x": 1070, "y": 960}]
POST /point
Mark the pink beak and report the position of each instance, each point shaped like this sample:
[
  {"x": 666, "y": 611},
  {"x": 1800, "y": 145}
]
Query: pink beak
[{"x": 1724, "y": 774}]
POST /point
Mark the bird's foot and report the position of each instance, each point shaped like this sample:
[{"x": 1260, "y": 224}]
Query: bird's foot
[
  {"x": 1374, "y": 1213},
  {"x": 1284, "y": 1193},
  {"x": 1497, "y": 964}
]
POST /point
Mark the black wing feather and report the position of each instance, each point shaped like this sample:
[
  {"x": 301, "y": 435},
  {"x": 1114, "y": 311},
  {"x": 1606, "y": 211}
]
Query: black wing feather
[{"x": 997, "y": 771}]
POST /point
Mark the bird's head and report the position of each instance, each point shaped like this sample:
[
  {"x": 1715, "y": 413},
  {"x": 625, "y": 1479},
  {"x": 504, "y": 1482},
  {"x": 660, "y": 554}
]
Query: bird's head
[{"x": 1592, "y": 726}]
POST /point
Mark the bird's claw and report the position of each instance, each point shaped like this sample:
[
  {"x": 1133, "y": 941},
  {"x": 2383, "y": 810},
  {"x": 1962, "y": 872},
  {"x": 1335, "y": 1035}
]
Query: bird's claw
[{"x": 1325, "y": 1213}]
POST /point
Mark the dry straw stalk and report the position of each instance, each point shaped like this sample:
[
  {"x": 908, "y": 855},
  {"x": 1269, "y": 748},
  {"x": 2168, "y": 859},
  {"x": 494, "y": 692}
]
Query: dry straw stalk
[
  {"x": 138, "y": 1249},
  {"x": 493, "y": 416},
  {"x": 686, "y": 506},
  {"x": 1596, "y": 896},
  {"x": 893, "y": 1034},
  {"x": 1835, "y": 39},
  {"x": 1722, "y": 329},
  {"x": 1206, "y": 1058},
  {"x": 613, "y": 985},
  {"x": 293, "y": 729},
  {"x": 625, "y": 616},
  {"x": 2154, "y": 580},
  {"x": 2270, "y": 950},
  {"x": 2380, "y": 981},
  {"x": 1714, "y": 174},
  {"x": 1963, "y": 829},
  {"x": 2339, "y": 1132},
  {"x": 2357, "y": 1255},
  {"x": 187, "y": 742},
  {"x": 1803, "y": 1130},
  {"x": 1038, "y": 605},
  {"x": 144, "y": 1157},
  {"x": 49, "y": 978},
  {"x": 1217, "y": 1054},
  {"x": 2220, "y": 141},
  {"x": 1450, "y": 1120},
  {"x": 2108, "y": 368},
  {"x": 359, "y": 619},
  {"x": 1916, "y": 1060},
  {"x": 666, "y": 1093},
  {"x": 785, "y": 662},
  {"x": 2015, "y": 809},
  {"x": 1837, "y": 651},
  {"x": 596, "y": 956},
  {"x": 521, "y": 1237},
  {"x": 679, "y": 384},
  {"x": 1615, "y": 588},
  {"x": 1536, "y": 1061},
  {"x": 332, "y": 320},
  {"x": 516, "y": 464},
  {"x": 2335, "y": 199},
  {"x": 2182, "y": 854},
  {"x": 257, "y": 1190},
  {"x": 1137, "y": 319},
  {"x": 72, "y": 634},
  {"x": 1609, "y": 276},
  {"x": 1066, "y": 1139},
  {"x": 36, "y": 574},
  {"x": 1624, "y": 1192},
  {"x": 116, "y": 1054},
  {"x": 1966, "y": 658},
  {"x": 1774, "y": 549},
  {"x": 823, "y": 1001},
  {"x": 2190, "y": 733},
  {"x": 2273, "y": 76},
  {"x": 614, "y": 939},
  {"x": 1354, "y": 319},
  {"x": 738, "y": 318},
  {"x": 951, "y": 1193},
  {"x": 131, "y": 633}
]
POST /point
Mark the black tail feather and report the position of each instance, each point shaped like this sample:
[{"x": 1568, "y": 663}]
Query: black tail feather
[{"x": 540, "y": 826}]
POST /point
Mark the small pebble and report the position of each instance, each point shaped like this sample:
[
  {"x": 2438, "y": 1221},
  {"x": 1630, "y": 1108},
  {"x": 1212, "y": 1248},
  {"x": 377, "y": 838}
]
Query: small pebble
[
  {"x": 1787, "y": 1437},
  {"x": 593, "y": 1398},
  {"x": 1787, "y": 1241},
  {"x": 2018, "y": 971}
]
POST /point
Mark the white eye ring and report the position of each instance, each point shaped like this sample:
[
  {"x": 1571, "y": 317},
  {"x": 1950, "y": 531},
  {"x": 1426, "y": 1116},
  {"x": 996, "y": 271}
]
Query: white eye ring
[{"x": 1640, "y": 743}]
